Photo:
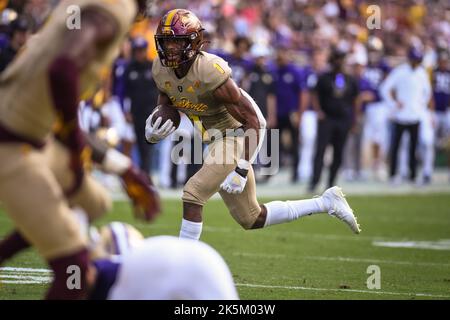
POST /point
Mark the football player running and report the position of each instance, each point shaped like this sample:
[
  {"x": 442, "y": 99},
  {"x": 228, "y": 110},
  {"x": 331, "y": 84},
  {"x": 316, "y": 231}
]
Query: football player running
[
  {"x": 199, "y": 84},
  {"x": 40, "y": 94}
]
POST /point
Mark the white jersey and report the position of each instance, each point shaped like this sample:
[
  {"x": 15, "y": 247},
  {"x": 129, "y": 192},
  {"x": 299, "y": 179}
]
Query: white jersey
[{"x": 169, "y": 268}]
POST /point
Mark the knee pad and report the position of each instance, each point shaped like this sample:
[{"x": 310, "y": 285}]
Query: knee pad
[{"x": 70, "y": 280}]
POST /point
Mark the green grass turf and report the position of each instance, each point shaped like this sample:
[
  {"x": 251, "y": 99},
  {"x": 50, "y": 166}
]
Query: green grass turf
[{"x": 304, "y": 259}]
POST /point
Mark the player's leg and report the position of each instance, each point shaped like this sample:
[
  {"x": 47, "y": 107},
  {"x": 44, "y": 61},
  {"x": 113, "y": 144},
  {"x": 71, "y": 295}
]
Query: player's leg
[
  {"x": 206, "y": 182},
  {"x": 413, "y": 142},
  {"x": 323, "y": 137},
  {"x": 427, "y": 136},
  {"x": 395, "y": 145},
  {"x": 308, "y": 137},
  {"x": 34, "y": 201},
  {"x": 338, "y": 139},
  {"x": 92, "y": 197},
  {"x": 11, "y": 245},
  {"x": 246, "y": 210},
  {"x": 244, "y": 207}
]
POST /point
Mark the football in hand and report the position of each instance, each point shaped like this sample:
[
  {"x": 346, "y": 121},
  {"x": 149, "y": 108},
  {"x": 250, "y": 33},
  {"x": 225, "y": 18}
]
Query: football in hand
[{"x": 166, "y": 112}]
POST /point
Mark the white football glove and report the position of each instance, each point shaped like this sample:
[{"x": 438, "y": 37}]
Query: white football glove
[
  {"x": 234, "y": 183},
  {"x": 154, "y": 133}
]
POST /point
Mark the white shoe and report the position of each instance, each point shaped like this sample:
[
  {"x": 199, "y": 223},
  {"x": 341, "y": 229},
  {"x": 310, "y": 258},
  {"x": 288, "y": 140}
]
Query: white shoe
[{"x": 339, "y": 208}]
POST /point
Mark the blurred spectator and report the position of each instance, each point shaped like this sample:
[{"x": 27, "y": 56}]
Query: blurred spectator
[
  {"x": 238, "y": 60},
  {"x": 441, "y": 93},
  {"x": 20, "y": 31},
  {"x": 335, "y": 92},
  {"x": 305, "y": 27},
  {"x": 261, "y": 89},
  {"x": 408, "y": 90},
  {"x": 376, "y": 111},
  {"x": 441, "y": 96},
  {"x": 118, "y": 80},
  {"x": 288, "y": 85},
  {"x": 142, "y": 94},
  {"x": 353, "y": 148},
  {"x": 261, "y": 83}
]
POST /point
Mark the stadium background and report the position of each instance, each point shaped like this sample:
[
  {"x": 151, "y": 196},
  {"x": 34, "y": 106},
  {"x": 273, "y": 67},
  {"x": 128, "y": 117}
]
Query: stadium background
[{"x": 405, "y": 228}]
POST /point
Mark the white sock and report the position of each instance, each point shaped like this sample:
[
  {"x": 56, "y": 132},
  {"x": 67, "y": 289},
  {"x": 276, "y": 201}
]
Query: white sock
[
  {"x": 190, "y": 230},
  {"x": 286, "y": 211}
]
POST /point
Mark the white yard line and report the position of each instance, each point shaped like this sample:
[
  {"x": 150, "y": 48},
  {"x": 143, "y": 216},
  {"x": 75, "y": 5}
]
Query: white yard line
[
  {"x": 24, "y": 276},
  {"x": 414, "y": 294},
  {"x": 343, "y": 259},
  {"x": 22, "y": 282},
  {"x": 441, "y": 245},
  {"x": 299, "y": 234},
  {"x": 33, "y": 270}
]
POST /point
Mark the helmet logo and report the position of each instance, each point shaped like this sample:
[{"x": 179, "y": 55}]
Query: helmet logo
[{"x": 180, "y": 27}]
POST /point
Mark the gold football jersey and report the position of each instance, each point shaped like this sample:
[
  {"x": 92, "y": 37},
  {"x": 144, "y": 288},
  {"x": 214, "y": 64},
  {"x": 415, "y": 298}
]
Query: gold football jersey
[
  {"x": 25, "y": 104},
  {"x": 193, "y": 94}
]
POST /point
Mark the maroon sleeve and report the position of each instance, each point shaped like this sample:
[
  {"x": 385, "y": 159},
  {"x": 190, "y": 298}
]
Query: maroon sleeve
[{"x": 64, "y": 89}]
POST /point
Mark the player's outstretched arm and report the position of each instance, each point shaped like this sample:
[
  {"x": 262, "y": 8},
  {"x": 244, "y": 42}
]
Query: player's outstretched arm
[
  {"x": 242, "y": 107},
  {"x": 79, "y": 49}
]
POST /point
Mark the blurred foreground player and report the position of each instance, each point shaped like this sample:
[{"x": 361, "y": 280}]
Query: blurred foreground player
[
  {"x": 40, "y": 94},
  {"x": 129, "y": 267},
  {"x": 199, "y": 84}
]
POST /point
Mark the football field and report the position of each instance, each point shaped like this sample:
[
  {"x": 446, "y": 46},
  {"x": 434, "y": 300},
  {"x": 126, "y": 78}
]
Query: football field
[{"x": 405, "y": 237}]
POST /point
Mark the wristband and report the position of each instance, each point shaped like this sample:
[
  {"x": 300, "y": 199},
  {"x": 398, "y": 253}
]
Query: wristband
[
  {"x": 242, "y": 172},
  {"x": 242, "y": 167}
]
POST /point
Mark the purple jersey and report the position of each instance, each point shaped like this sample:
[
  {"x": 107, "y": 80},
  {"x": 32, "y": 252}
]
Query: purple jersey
[
  {"x": 118, "y": 79},
  {"x": 375, "y": 73},
  {"x": 4, "y": 41},
  {"x": 441, "y": 89},
  {"x": 107, "y": 272},
  {"x": 364, "y": 86},
  {"x": 288, "y": 84}
]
